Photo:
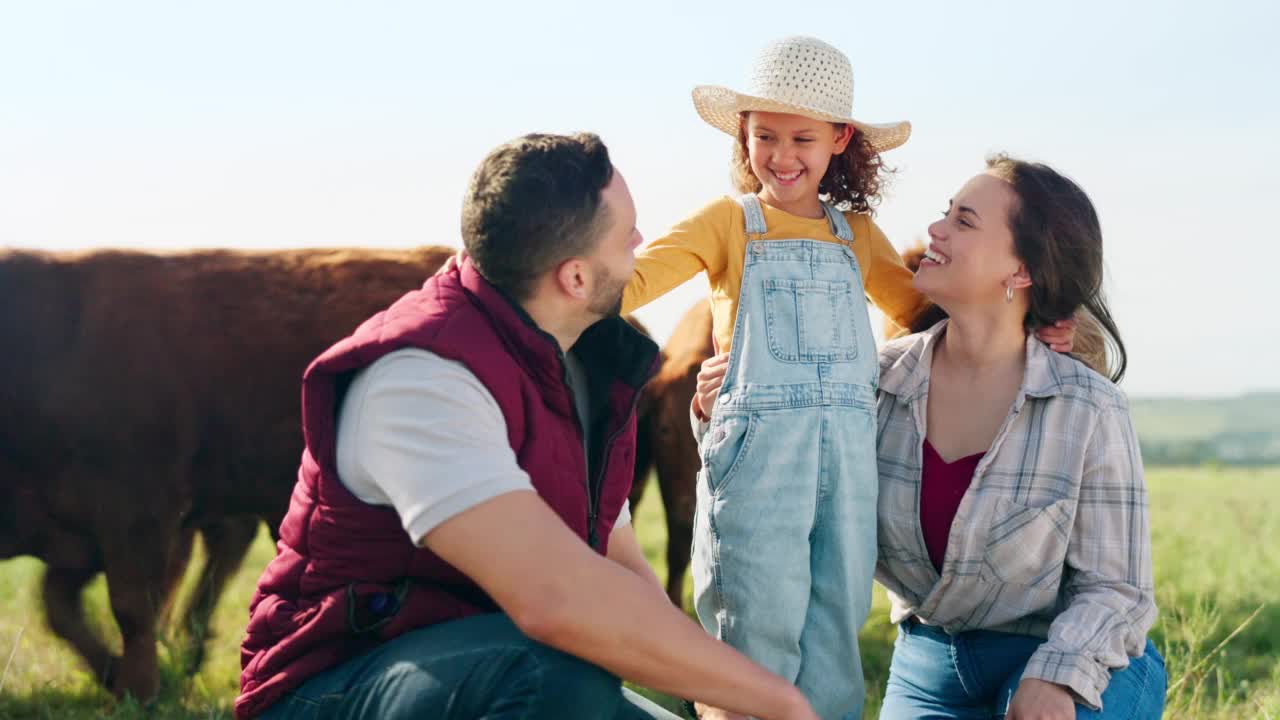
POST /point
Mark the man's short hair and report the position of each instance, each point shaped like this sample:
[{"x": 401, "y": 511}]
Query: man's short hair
[{"x": 534, "y": 203}]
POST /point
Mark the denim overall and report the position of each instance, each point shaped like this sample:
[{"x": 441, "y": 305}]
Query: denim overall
[{"x": 784, "y": 541}]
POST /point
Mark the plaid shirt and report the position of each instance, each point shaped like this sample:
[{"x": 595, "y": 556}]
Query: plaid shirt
[{"x": 1051, "y": 538}]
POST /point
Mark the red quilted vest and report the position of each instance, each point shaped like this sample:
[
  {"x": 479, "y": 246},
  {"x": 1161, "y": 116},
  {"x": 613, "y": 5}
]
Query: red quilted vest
[{"x": 346, "y": 576}]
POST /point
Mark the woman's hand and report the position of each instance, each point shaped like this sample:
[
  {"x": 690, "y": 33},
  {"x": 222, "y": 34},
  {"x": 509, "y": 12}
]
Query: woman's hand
[
  {"x": 710, "y": 378},
  {"x": 1039, "y": 700},
  {"x": 1059, "y": 336}
]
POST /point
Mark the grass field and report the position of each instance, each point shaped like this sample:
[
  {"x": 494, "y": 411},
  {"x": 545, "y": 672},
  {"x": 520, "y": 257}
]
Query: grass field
[{"x": 1217, "y": 551}]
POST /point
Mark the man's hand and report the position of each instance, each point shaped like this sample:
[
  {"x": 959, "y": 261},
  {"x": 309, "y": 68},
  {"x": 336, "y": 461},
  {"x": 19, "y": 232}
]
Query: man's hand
[
  {"x": 706, "y": 712},
  {"x": 1039, "y": 700},
  {"x": 1060, "y": 336}
]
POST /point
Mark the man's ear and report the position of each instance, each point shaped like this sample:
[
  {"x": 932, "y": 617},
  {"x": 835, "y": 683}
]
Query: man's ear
[{"x": 571, "y": 278}]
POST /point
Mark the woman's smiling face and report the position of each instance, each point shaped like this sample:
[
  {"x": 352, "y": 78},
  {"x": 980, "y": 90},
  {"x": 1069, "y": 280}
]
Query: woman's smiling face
[{"x": 971, "y": 258}]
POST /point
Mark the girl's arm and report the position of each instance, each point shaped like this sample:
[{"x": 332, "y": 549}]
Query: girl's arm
[
  {"x": 698, "y": 243},
  {"x": 888, "y": 283}
]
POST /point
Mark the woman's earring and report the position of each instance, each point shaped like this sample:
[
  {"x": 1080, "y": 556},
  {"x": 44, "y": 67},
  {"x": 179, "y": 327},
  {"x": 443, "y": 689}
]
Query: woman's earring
[{"x": 1008, "y": 293}]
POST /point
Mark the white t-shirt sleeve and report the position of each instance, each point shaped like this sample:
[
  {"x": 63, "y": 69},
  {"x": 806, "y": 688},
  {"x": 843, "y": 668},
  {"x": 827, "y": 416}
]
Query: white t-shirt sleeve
[{"x": 421, "y": 434}]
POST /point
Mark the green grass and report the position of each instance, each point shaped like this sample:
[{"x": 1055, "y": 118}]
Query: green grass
[{"x": 1217, "y": 551}]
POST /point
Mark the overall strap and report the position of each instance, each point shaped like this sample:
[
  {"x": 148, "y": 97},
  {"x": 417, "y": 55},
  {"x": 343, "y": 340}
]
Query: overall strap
[
  {"x": 839, "y": 225},
  {"x": 754, "y": 215}
]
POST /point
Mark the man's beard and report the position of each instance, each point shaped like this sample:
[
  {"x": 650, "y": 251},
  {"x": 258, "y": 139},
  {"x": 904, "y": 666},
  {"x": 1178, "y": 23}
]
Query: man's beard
[{"x": 607, "y": 301}]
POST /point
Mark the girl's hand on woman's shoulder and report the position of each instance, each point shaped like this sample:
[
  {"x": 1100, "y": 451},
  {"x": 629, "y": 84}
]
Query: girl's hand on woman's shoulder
[{"x": 1060, "y": 336}]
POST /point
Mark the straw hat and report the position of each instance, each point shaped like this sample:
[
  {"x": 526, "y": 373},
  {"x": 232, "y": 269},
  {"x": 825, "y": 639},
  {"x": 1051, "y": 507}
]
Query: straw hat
[{"x": 801, "y": 76}]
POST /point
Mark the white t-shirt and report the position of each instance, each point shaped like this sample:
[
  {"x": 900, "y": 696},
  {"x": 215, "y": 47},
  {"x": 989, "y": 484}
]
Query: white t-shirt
[{"x": 420, "y": 433}]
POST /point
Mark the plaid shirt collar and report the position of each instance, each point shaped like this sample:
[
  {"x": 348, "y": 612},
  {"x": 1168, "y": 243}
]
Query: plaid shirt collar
[{"x": 908, "y": 376}]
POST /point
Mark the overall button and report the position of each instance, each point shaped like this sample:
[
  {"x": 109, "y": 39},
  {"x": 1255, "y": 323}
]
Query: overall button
[{"x": 725, "y": 398}]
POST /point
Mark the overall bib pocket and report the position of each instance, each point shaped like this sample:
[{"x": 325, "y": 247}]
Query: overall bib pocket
[{"x": 810, "y": 321}]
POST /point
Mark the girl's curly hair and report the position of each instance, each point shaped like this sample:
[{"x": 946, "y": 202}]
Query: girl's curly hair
[{"x": 853, "y": 181}]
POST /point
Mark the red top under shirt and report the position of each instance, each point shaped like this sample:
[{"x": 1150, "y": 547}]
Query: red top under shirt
[{"x": 942, "y": 485}]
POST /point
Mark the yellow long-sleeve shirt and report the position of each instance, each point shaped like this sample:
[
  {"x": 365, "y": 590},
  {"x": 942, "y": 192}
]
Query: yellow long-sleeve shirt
[{"x": 714, "y": 240}]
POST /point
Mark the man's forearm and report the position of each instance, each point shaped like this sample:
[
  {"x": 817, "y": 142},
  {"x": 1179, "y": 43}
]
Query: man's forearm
[
  {"x": 645, "y": 572},
  {"x": 636, "y": 634},
  {"x": 560, "y": 592}
]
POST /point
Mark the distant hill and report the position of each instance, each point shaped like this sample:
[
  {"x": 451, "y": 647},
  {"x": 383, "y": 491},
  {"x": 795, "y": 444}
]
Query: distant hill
[{"x": 1243, "y": 430}]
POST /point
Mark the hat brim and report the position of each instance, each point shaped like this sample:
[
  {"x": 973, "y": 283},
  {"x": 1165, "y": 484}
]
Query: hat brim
[{"x": 721, "y": 107}]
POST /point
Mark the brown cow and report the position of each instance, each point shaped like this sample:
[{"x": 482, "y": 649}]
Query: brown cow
[
  {"x": 147, "y": 397},
  {"x": 665, "y": 433}
]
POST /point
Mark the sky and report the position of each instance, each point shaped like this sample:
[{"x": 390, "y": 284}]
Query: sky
[{"x": 255, "y": 125}]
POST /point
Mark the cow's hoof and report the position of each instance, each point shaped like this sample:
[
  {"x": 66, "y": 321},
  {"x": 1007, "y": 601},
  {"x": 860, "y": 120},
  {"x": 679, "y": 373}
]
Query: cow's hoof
[{"x": 142, "y": 683}]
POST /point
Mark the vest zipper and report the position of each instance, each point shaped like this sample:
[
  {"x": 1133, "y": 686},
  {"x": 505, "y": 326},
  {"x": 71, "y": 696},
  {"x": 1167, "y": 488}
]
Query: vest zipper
[
  {"x": 594, "y": 509},
  {"x": 594, "y": 490},
  {"x": 592, "y": 500}
]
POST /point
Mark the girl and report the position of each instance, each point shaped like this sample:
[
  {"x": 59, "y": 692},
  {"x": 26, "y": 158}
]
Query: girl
[{"x": 785, "y": 530}]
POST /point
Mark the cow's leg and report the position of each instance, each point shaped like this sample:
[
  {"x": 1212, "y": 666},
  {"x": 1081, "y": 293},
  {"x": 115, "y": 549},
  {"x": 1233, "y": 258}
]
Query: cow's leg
[
  {"x": 65, "y": 615},
  {"x": 644, "y": 451},
  {"x": 225, "y": 542},
  {"x": 677, "y": 464},
  {"x": 677, "y": 485},
  {"x": 179, "y": 558},
  {"x": 138, "y": 564}
]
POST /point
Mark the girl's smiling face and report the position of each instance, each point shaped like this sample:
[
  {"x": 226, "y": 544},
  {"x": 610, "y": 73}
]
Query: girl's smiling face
[{"x": 789, "y": 154}]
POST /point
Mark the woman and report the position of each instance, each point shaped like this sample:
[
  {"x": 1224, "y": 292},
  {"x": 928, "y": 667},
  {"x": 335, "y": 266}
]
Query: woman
[{"x": 1013, "y": 531}]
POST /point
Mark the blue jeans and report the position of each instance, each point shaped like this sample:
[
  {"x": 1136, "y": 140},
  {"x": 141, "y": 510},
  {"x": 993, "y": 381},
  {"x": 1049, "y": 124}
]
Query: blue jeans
[
  {"x": 784, "y": 541},
  {"x": 478, "y": 667},
  {"x": 974, "y": 674}
]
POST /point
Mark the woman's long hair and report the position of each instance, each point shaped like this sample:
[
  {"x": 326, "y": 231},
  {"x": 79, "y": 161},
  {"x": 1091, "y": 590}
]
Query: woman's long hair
[{"x": 1057, "y": 236}]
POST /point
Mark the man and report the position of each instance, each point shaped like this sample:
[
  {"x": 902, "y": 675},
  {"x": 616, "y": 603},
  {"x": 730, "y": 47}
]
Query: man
[{"x": 457, "y": 543}]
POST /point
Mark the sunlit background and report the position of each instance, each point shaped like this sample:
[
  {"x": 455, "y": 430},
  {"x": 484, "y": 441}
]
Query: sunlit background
[{"x": 282, "y": 124}]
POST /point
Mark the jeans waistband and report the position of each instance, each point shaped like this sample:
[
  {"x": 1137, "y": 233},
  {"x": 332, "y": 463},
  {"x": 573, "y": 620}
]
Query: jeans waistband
[{"x": 914, "y": 626}]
